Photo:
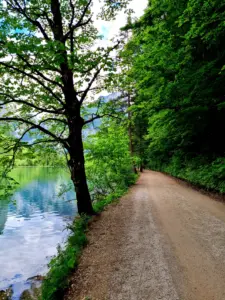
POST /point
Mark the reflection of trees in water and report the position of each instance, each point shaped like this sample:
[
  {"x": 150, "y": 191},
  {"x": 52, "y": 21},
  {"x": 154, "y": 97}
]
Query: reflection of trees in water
[
  {"x": 42, "y": 197},
  {"x": 37, "y": 193},
  {"x": 3, "y": 213},
  {"x": 25, "y": 175}
]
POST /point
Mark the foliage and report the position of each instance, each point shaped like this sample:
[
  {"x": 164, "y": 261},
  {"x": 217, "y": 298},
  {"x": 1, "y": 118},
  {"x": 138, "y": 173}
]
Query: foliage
[
  {"x": 66, "y": 261},
  {"x": 109, "y": 173},
  {"x": 50, "y": 64},
  {"x": 178, "y": 63},
  {"x": 108, "y": 160},
  {"x": 48, "y": 157},
  {"x": 199, "y": 171}
]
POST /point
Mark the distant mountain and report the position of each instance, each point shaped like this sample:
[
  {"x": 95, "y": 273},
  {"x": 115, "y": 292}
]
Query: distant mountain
[{"x": 92, "y": 127}]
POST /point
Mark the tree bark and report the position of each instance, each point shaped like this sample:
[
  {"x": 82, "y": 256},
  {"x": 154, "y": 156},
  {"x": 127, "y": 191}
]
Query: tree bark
[
  {"x": 75, "y": 122},
  {"x": 77, "y": 168}
]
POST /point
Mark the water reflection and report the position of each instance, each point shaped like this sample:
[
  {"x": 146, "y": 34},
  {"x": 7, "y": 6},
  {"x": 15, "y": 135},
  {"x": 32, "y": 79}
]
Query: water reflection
[
  {"x": 32, "y": 225},
  {"x": 3, "y": 214}
]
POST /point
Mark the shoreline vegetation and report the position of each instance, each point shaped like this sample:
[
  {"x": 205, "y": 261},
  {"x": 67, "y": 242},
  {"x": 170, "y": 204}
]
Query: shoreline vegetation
[
  {"x": 65, "y": 263},
  {"x": 57, "y": 279},
  {"x": 67, "y": 260},
  {"x": 53, "y": 285},
  {"x": 109, "y": 174}
]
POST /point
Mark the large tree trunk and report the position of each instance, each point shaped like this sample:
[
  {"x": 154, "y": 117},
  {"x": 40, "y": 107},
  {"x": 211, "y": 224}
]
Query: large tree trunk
[
  {"x": 72, "y": 107},
  {"x": 77, "y": 168}
]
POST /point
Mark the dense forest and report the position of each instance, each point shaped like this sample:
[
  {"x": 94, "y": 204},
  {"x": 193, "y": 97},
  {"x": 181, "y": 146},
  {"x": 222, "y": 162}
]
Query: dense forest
[{"x": 178, "y": 73}]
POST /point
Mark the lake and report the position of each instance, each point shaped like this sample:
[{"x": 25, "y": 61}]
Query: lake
[{"x": 32, "y": 223}]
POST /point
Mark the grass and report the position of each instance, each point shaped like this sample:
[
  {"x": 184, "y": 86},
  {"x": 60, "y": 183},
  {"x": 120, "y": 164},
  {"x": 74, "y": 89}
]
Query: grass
[{"x": 67, "y": 259}]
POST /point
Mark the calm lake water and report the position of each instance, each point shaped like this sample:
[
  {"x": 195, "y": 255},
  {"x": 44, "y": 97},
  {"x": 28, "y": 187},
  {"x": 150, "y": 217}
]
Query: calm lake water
[{"x": 32, "y": 224}]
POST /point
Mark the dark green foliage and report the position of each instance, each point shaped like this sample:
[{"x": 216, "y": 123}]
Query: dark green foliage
[
  {"x": 179, "y": 74},
  {"x": 199, "y": 171}
]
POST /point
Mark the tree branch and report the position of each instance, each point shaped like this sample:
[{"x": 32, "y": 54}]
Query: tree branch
[
  {"x": 74, "y": 27},
  {"x": 38, "y": 72},
  {"x": 91, "y": 89},
  {"x": 55, "y": 120},
  {"x": 22, "y": 11},
  {"x": 70, "y": 27},
  {"x": 57, "y": 27},
  {"x": 40, "y": 142},
  {"x": 54, "y": 111},
  {"x": 99, "y": 117},
  {"x": 37, "y": 126},
  {"x": 34, "y": 78},
  {"x": 96, "y": 74},
  {"x": 90, "y": 85},
  {"x": 15, "y": 149},
  {"x": 79, "y": 23}
]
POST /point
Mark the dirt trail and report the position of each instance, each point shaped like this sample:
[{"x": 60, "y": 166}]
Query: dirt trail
[{"x": 163, "y": 241}]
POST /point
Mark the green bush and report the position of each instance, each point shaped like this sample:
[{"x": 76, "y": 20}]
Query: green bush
[
  {"x": 199, "y": 171},
  {"x": 109, "y": 173},
  {"x": 67, "y": 259}
]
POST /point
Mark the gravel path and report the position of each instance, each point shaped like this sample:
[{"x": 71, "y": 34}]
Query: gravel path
[{"x": 163, "y": 241}]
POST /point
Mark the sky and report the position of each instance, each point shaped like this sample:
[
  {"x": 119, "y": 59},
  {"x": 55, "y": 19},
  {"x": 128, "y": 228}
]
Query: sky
[{"x": 111, "y": 29}]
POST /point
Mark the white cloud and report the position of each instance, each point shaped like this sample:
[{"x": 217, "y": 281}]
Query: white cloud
[{"x": 111, "y": 29}]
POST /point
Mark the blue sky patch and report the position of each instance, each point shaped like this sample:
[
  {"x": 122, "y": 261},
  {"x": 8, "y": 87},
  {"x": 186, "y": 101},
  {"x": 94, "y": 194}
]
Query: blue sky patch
[{"x": 104, "y": 31}]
